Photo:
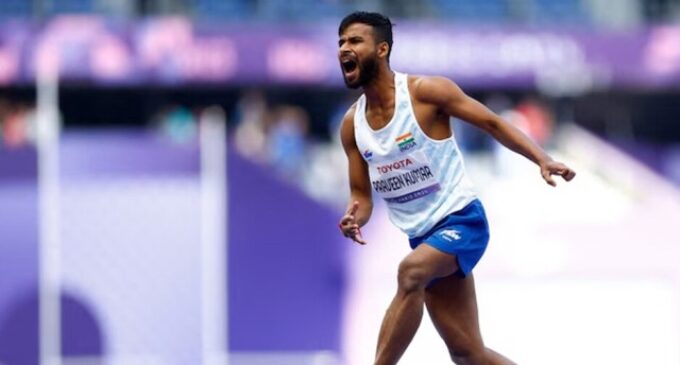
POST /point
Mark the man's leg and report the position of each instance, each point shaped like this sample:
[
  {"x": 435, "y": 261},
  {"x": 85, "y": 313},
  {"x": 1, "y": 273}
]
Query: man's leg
[
  {"x": 406, "y": 310},
  {"x": 452, "y": 305}
]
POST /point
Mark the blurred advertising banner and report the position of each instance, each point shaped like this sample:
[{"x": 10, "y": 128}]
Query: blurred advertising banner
[{"x": 173, "y": 50}]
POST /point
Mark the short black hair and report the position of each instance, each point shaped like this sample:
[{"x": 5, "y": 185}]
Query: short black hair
[{"x": 382, "y": 26}]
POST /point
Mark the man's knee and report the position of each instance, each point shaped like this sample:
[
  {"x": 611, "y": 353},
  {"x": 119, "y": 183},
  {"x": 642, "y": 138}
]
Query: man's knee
[
  {"x": 469, "y": 359},
  {"x": 468, "y": 354},
  {"x": 412, "y": 276}
]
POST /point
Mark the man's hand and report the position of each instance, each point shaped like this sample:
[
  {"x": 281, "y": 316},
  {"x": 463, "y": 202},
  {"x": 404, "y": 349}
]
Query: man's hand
[
  {"x": 556, "y": 168},
  {"x": 348, "y": 225}
]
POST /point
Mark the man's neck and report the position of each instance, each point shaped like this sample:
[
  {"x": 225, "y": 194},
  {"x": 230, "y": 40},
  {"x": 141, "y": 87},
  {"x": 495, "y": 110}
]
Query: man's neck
[{"x": 380, "y": 92}]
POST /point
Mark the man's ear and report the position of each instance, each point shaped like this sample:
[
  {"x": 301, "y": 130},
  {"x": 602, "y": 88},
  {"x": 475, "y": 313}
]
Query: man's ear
[{"x": 383, "y": 49}]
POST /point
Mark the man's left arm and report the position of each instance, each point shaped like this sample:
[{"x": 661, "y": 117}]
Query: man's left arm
[{"x": 451, "y": 100}]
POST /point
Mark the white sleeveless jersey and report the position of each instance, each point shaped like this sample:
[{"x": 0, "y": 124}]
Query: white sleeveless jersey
[{"x": 422, "y": 180}]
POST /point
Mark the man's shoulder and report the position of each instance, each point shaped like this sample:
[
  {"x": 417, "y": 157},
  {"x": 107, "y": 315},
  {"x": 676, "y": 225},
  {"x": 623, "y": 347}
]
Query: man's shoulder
[
  {"x": 429, "y": 88},
  {"x": 347, "y": 124},
  {"x": 419, "y": 83},
  {"x": 347, "y": 129},
  {"x": 349, "y": 114}
]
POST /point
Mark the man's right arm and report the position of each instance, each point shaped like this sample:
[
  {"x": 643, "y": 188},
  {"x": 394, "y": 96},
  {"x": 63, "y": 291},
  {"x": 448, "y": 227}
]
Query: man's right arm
[
  {"x": 360, "y": 204},
  {"x": 451, "y": 100}
]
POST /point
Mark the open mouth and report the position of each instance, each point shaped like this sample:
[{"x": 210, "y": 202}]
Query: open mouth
[{"x": 349, "y": 66}]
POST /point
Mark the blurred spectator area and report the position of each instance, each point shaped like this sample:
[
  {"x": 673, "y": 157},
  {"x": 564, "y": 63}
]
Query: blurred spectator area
[
  {"x": 273, "y": 123},
  {"x": 592, "y": 12},
  {"x": 643, "y": 114}
]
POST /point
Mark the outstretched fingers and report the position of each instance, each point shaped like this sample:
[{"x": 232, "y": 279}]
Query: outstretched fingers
[
  {"x": 546, "y": 176},
  {"x": 556, "y": 168},
  {"x": 348, "y": 225},
  {"x": 357, "y": 237}
]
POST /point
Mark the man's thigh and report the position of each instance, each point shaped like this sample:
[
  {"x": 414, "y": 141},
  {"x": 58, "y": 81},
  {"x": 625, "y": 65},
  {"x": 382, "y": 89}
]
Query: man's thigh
[
  {"x": 434, "y": 263},
  {"x": 452, "y": 305}
]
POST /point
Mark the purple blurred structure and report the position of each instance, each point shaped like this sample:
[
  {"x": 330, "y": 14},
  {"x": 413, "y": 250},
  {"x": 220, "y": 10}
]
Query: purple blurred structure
[
  {"x": 18, "y": 256},
  {"x": 286, "y": 277},
  {"x": 171, "y": 51}
]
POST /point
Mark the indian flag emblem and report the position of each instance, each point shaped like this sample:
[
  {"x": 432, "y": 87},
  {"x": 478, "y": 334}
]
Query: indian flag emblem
[{"x": 405, "y": 142}]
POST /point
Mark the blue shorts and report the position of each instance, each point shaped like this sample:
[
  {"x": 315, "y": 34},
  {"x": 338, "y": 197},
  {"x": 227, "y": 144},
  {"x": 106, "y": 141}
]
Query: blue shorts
[{"x": 464, "y": 233}]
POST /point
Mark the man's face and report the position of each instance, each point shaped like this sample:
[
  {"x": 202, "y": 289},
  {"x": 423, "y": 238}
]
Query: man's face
[{"x": 357, "y": 53}]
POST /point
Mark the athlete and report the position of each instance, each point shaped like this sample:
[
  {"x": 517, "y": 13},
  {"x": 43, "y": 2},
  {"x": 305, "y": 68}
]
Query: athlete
[{"x": 400, "y": 146}]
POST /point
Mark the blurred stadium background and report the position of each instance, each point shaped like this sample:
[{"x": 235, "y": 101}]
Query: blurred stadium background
[{"x": 171, "y": 178}]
